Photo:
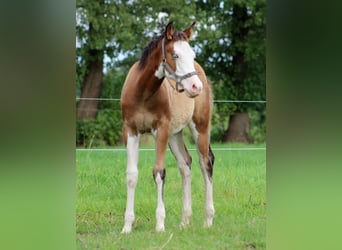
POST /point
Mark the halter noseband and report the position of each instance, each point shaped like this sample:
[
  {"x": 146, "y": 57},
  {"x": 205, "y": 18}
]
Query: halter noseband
[{"x": 172, "y": 73}]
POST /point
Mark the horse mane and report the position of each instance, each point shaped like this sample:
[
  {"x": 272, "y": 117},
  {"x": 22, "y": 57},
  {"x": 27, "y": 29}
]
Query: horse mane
[
  {"x": 177, "y": 35},
  {"x": 147, "y": 51}
]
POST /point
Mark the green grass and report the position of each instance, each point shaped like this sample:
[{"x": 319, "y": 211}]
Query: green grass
[{"x": 239, "y": 199}]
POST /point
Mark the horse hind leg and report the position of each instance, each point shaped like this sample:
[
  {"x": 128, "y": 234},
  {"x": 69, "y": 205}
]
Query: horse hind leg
[
  {"x": 184, "y": 164},
  {"x": 207, "y": 164},
  {"x": 206, "y": 160},
  {"x": 131, "y": 179}
]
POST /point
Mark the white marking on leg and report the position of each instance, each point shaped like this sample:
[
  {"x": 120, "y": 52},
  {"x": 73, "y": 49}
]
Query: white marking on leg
[
  {"x": 185, "y": 172},
  {"x": 160, "y": 211},
  {"x": 187, "y": 203},
  {"x": 131, "y": 179},
  {"x": 209, "y": 203}
]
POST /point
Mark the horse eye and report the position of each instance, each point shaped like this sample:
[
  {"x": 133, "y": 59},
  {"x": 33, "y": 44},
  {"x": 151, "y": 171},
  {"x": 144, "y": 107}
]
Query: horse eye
[{"x": 174, "y": 56}]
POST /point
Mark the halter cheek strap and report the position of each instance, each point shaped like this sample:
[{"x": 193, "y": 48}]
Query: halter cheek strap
[{"x": 171, "y": 73}]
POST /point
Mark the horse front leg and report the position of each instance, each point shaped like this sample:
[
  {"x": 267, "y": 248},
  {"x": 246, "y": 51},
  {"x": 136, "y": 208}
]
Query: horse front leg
[
  {"x": 159, "y": 174},
  {"x": 132, "y": 144}
]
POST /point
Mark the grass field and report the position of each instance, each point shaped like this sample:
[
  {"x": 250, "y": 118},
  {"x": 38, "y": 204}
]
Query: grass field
[{"x": 239, "y": 199}]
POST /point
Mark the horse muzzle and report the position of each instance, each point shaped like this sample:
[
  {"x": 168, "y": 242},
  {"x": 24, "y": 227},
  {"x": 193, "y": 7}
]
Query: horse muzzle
[{"x": 192, "y": 86}]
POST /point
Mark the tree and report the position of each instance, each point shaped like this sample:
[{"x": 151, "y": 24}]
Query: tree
[
  {"x": 238, "y": 126},
  {"x": 234, "y": 57},
  {"x": 91, "y": 15},
  {"x": 103, "y": 29}
]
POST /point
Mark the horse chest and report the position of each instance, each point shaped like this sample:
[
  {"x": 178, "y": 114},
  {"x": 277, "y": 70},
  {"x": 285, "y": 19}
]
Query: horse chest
[
  {"x": 182, "y": 110},
  {"x": 144, "y": 120}
]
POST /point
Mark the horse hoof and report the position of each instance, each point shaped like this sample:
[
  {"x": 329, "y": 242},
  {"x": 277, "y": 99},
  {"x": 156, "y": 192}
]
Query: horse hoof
[
  {"x": 208, "y": 223},
  {"x": 126, "y": 230},
  {"x": 184, "y": 224},
  {"x": 160, "y": 228}
]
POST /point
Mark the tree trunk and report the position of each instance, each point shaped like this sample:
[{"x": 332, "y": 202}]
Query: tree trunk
[
  {"x": 238, "y": 129},
  {"x": 87, "y": 109},
  {"x": 238, "y": 125}
]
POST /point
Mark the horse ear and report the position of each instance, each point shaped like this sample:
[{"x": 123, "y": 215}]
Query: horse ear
[
  {"x": 169, "y": 30},
  {"x": 189, "y": 31}
]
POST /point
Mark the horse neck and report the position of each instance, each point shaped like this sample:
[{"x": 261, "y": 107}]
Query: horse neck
[{"x": 148, "y": 82}]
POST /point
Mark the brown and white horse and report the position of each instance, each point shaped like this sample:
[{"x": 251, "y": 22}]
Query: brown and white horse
[{"x": 165, "y": 91}]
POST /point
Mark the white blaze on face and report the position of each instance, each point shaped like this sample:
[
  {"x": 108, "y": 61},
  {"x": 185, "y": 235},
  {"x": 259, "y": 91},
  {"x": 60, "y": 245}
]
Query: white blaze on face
[{"x": 184, "y": 65}]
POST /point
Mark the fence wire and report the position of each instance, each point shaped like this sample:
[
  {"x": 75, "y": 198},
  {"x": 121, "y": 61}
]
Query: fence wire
[
  {"x": 214, "y": 101},
  {"x": 152, "y": 149}
]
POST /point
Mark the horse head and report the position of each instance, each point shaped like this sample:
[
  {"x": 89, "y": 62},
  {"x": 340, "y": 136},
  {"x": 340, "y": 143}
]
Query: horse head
[{"x": 178, "y": 60}]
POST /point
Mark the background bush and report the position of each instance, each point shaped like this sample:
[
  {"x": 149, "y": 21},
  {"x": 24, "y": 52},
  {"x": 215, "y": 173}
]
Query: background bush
[{"x": 105, "y": 130}]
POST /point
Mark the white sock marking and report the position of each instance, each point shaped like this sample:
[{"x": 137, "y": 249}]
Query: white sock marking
[
  {"x": 131, "y": 179},
  {"x": 160, "y": 211}
]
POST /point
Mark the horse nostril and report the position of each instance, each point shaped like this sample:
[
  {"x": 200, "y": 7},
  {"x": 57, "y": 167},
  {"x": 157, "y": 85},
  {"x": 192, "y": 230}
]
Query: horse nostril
[{"x": 196, "y": 88}]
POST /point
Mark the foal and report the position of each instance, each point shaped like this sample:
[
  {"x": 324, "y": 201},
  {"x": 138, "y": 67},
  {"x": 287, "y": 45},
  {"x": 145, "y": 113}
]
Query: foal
[{"x": 152, "y": 100}]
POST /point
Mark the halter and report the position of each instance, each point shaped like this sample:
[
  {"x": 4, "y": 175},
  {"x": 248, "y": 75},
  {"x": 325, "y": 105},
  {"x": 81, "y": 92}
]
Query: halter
[{"x": 172, "y": 73}]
